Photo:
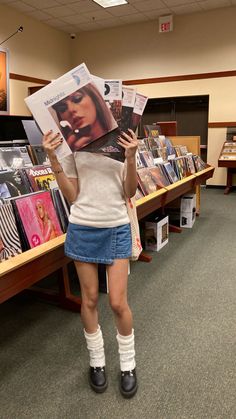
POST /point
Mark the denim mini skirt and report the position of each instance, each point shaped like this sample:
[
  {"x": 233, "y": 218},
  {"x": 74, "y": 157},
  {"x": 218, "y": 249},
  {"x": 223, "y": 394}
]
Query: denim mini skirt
[{"x": 98, "y": 245}]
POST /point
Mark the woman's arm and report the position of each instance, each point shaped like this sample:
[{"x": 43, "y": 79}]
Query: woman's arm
[
  {"x": 130, "y": 143},
  {"x": 68, "y": 186}
]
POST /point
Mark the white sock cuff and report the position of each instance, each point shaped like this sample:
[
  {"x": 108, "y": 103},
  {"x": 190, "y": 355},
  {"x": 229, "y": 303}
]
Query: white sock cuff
[
  {"x": 94, "y": 335},
  {"x": 125, "y": 339}
]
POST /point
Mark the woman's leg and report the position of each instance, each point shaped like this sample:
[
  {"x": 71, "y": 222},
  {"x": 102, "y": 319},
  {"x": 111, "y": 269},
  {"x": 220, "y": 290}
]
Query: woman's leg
[
  {"x": 88, "y": 278},
  {"x": 118, "y": 280}
]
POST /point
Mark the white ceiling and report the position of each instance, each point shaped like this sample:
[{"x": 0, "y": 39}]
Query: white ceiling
[{"x": 75, "y": 16}]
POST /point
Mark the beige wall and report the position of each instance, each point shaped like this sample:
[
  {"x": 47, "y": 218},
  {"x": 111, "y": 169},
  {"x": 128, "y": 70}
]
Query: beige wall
[
  {"x": 200, "y": 43},
  {"x": 39, "y": 51}
]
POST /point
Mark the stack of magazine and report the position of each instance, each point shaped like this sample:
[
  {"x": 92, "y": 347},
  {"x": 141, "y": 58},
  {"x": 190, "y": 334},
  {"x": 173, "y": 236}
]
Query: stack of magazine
[
  {"x": 160, "y": 164},
  {"x": 89, "y": 112}
]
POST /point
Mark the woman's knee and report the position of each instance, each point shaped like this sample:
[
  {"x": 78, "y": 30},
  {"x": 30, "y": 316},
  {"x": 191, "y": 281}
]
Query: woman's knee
[
  {"x": 90, "y": 301},
  {"x": 118, "y": 305}
]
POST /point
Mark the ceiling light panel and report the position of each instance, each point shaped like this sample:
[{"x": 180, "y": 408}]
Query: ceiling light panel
[{"x": 110, "y": 3}]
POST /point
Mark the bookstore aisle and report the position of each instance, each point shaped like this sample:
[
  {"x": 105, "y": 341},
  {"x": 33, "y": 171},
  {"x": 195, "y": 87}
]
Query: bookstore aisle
[{"x": 184, "y": 310}]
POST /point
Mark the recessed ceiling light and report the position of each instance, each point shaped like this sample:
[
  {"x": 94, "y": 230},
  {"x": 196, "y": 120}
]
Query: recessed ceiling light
[{"x": 110, "y": 3}]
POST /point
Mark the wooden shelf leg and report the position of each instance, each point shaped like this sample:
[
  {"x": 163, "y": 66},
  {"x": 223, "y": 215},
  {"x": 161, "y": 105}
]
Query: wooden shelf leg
[
  {"x": 229, "y": 181},
  {"x": 174, "y": 229},
  {"x": 143, "y": 257}
]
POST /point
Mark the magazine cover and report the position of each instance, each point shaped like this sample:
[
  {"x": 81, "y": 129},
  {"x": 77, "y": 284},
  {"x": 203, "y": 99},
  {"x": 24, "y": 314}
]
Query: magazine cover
[
  {"x": 128, "y": 102},
  {"x": 9, "y": 238},
  {"x": 146, "y": 182},
  {"x": 111, "y": 91},
  {"x": 12, "y": 184},
  {"x": 139, "y": 106},
  {"x": 72, "y": 105},
  {"x": 39, "y": 177},
  {"x": 38, "y": 217},
  {"x": 158, "y": 178},
  {"x": 14, "y": 158}
]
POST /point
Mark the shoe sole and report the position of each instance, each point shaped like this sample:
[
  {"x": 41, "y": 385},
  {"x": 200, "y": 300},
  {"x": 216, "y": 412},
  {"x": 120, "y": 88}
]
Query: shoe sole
[
  {"x": 98, "y": 389},
  {"x": 129, "y": 394}
]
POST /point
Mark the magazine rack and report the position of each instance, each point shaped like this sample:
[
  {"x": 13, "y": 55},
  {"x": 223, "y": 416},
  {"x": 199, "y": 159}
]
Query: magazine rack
[
  {"x": 24, "y": 270},
  {"x": 230, "y": 165}
]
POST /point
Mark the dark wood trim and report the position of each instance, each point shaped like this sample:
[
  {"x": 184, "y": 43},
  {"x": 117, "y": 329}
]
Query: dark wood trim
[
  {"x": 14, "y": 76},
  {"x": 182, "y": 77},
  {"x": 166, "y": 79},
  {"x": 221, "y": 124}
]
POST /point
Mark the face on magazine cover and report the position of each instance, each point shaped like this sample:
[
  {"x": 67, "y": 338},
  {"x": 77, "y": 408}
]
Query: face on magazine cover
[
  {"x": 48, "y": 229},
  {"x": 83, "y": 116}
]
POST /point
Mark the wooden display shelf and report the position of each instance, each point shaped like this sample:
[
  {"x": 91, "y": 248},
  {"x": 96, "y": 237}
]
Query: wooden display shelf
[
  {"x": 177, "y": 189},
  {"x": 204, "y": 174},
  {"x": 26, "y": 269},
  {"x": 150, "y": 203}
]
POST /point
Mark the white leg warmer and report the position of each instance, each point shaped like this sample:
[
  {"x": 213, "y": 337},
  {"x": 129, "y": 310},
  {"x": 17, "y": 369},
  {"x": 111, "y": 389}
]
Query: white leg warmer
[
  {"x": 95, "y": 347},
  {"x": 126, "y": 351}
]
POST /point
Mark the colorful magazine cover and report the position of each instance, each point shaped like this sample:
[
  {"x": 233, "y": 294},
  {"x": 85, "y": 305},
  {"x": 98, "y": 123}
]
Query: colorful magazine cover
[
  {"x": 38, "y": 217},
  {"x": 39, "y": 177},
  {"x": 72, "y": 105}
]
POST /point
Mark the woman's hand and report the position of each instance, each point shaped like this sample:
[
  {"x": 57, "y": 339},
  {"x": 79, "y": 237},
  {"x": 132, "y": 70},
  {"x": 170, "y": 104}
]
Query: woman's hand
[
  {"x": 130, "y": 143},
  {"x": 51, "y": 142}
]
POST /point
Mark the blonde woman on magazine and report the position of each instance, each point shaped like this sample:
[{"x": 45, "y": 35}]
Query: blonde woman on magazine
[{"x": 99, "y": 232}]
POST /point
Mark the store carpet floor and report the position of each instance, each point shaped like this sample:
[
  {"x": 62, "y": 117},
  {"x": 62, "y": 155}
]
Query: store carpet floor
[{"x": 184, "y": 306}]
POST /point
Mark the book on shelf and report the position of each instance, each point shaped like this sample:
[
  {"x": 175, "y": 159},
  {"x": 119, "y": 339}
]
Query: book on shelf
[
  {"x": 139, "y": 194},
  {"x": 146, "y": 158},
  {"x": 199, "y": 163},
  {"x": 12, "y": 183},
  {"x": 14, "y": 158},
  {"x": 39, "y": 177},
  {"x": 146, "y": 182},
  {"x": 170, "y": 172},
  {"x": 37, "y": 218},
  {"x": 159, "y": 177},
  {"x": 61, "y": 209},
  {"x": 10, "y": 244},
  {"x": 152, "y": 130},
  {"x": 190, "y": 164},
  {"x": 73, "y": 106}
]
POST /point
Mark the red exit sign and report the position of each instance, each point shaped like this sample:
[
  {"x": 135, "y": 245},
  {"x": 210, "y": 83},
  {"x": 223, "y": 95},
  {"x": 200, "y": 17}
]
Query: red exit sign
[{"x": 166, "y": 23}]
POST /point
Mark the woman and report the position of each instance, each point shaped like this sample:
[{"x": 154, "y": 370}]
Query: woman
[
  {"x": 48, "y": 229},
  {"x": 99, "y": 232},
  {"x": 83, "y": 117}
]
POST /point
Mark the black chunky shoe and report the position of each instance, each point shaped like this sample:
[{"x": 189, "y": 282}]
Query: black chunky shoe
[
  {"x": 128, "y": 383},
  {"x": 97, "y": 379}
]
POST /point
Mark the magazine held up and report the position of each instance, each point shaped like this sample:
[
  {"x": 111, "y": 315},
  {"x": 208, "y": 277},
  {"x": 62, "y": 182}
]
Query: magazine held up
[{"x": 88, "y": 111}]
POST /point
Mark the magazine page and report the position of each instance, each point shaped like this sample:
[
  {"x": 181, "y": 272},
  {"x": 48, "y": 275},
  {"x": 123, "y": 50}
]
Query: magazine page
[
  {"x": 128, "y": 102},
  {"x": 73, "y": 106},
  {"x": 139, "y": 106},
  {"x": 38, "y": 217}
]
